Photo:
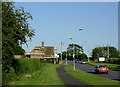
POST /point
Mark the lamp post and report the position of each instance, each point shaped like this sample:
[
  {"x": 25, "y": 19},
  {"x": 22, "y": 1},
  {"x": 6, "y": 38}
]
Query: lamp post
[
  {"x": 88, "y": 51},
  {"x": 74, "y": 48},
  {"x": 108, "y": 50},
  {"x": 66, "y": 57},
  {"x": 61, "y": 52}
]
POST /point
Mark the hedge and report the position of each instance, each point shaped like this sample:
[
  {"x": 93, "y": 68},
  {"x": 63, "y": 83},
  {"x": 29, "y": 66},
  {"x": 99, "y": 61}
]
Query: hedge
[
  {"x": 47, "y": 61},
  {"x": 19, "y": 67},
  {"x": 114, "y": 60}
]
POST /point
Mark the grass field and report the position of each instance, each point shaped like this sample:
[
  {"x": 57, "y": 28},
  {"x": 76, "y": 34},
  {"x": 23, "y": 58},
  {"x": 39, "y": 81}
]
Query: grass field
[
  {"x": 110, "y": 66},
  {"x": 89, "y": 78},
  {"x": 46, "y": 76},
  {"x": 114, "y": 58}
]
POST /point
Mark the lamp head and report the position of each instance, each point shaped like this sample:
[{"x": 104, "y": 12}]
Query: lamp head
[{"x": 80, "y": 29}]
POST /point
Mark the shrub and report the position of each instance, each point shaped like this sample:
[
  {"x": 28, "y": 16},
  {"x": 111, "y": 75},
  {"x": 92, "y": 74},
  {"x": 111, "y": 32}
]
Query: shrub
[
  {"x": 114, "y": 60},
  {"x": 47, "y": 61},
  {"x": 20, "y": 66},
  {"x": 6, "y": 77},
  {"x": 26, "y": 65}
]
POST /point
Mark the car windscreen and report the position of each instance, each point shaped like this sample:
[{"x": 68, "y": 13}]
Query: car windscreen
[{"x": 103, "y": 66}]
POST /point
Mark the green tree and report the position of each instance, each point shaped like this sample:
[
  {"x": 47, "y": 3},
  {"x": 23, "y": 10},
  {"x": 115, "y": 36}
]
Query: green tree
[
  {"x": 64, "y": 54},
  {"x": 77, "y": 49},
  {"x": 103, "y": 52},
  {"x": 15, "y": 30},
  {"x": 82, "y": 56},
  {"x": 113, "y": 52},
  {"x": 98, "y": 52}
]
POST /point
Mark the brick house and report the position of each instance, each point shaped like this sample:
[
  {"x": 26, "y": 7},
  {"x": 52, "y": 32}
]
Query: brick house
[{"x": 42, "y": 52}]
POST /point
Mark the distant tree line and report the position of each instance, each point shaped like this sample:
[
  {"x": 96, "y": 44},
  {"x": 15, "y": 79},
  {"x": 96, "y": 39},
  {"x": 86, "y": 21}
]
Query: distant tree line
[
  {"x": 78, "y": 51},
  {"x": 103, "y": 52},
  {"x": 15, "y": 30},
  {"x": 96, "y": 52}
]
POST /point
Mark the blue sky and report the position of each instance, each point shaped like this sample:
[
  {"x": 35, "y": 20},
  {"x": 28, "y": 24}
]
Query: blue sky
[{"x": 54, "y": 23}]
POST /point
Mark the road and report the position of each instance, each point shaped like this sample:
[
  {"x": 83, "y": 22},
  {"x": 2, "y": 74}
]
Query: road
[
  {"x": 113, "y": 75},
  {"x": 68, "y": 80}
]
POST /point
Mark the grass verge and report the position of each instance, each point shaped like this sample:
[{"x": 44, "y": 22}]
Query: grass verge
[
  {"x": 47, "y": 75},
  {"x": 89, "y": 78},
  {"x": 115, "y": 67}
]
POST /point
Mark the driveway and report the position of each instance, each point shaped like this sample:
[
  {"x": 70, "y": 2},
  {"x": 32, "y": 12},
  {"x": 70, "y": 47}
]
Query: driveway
[{"x": 113, "y": 75}]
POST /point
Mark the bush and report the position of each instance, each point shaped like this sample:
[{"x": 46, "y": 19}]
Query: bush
[
  {"x": 26, "y": 65},
  {"x": 47, "y": 61},
  {"x": 20, "y": 66},
  {"x": 6, "y": 77}
]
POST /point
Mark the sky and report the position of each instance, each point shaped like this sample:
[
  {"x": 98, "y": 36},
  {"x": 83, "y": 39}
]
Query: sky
[
  {"x": 64, "y": 0},
  {"x": 56, "y": 22}
]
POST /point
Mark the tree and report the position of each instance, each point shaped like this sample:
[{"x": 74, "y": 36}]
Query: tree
[
  {"x": 82, "y": 56},
  {"x": 103, "y": 52},
  {"x": 15, "y": 30},
  {"x": 113, "y": 52},
  {"x": 77, "y": 49},
  {"x": 64, "y": 54},
  {"x": 98, "y": 52}
]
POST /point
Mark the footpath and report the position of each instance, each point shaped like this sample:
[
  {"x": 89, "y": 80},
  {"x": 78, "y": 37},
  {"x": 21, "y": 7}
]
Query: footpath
[{"x": 68, "y": 80}]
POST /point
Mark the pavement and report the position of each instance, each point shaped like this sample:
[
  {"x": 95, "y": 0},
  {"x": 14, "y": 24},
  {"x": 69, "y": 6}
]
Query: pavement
[{"x": 68, "y": 80}]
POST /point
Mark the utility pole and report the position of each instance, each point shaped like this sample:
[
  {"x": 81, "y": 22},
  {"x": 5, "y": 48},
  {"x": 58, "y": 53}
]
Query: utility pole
[
  {"x": 61, "y": 52},
  {"x": 88, "y": 56},
  {"x": 73, "y": 58},
  {"x": 77, "y": 53},
  {"x": 57, "y": 54},
  {"x": 88, "y": 51},
  {"x": 66, "y": 57},
  {"x": 108, "y": 51}
]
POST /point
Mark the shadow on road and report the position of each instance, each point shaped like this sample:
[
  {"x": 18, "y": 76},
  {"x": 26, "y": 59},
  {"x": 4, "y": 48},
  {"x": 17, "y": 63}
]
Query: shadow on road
[
  {"x": 97, "y": 74},
  {"x": 91, "y": 72},
  {"x": 116, "y": 79}
]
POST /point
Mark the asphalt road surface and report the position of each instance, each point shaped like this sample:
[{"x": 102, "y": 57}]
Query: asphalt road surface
[
  {"x": 113, "y": 75},
  {"x": 68, "y": 80}
]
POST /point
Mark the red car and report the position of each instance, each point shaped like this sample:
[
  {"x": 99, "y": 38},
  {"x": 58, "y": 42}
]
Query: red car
[{"x": 101, "y": 69}]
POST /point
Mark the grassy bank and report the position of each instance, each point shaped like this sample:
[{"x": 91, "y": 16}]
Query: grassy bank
[
  {"x": 114, "y": 60},
  {"x": 111, "y": 66},
  {"x": 20, "y": 67},
  {"x": 47, "y": 75},
  {"x": 89, "y": 78}
]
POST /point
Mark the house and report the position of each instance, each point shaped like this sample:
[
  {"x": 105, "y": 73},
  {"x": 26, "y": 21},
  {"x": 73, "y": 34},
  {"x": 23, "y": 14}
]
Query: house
[{"x": 42, "y": 52}]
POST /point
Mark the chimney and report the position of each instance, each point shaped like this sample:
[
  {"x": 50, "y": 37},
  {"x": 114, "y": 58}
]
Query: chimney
[{"x": 42, "y": 44}]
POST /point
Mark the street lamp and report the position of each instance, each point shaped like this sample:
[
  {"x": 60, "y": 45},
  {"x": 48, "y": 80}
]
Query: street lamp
[
  {"x": 80, "y": 29},
  {"x": 66, "y": 57},
  {"x": 108, "y": 50},
  {"x": 66, "y": 54},
  {"x": 61, "y": 52},
  {"x": 88, "y": 51},
  {"x": 74, "y": 49}
]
